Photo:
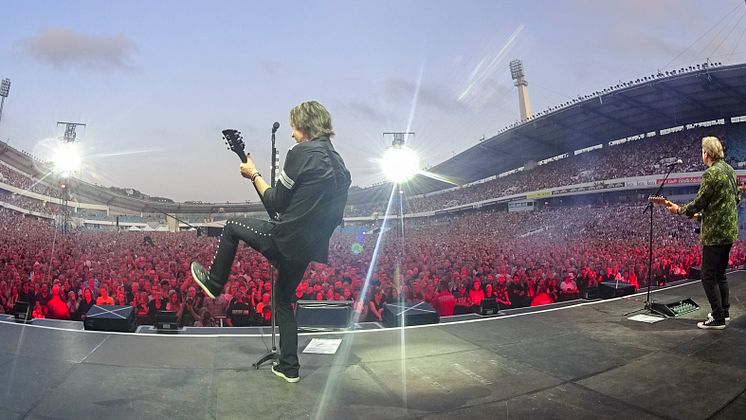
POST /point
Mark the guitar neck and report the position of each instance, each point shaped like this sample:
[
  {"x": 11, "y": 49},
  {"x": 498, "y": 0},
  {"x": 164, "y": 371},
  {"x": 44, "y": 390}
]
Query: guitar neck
[{"x": 235, "y": 142}]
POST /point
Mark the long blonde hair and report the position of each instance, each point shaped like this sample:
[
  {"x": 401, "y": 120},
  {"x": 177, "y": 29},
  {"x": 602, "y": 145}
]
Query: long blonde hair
[{"x": 312, "y": 119}]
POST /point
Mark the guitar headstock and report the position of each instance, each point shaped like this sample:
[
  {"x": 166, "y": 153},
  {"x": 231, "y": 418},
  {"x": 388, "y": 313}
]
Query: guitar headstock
[
  {"x": 655, "y": 199},
  {"x": 235, "y": 143}
]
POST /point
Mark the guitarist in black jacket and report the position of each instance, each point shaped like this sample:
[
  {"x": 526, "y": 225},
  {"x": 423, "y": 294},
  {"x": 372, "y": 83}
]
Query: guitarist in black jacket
[{"x": 309, "y": 198}]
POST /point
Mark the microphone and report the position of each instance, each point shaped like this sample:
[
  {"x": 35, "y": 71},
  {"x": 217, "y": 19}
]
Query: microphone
[
  {"x": 275, "y": 126},
  {"x": 677, "y": 162}
]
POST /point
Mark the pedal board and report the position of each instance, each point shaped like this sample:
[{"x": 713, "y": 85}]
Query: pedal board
[{"x": 675, "y": 307}]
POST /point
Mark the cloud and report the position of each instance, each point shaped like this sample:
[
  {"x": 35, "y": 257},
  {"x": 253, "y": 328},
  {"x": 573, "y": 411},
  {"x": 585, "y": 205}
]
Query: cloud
[
  {"x": 364, "y": 110},
  {"x": 61, "y": 47},
  {"x": 398, "y": 90}
]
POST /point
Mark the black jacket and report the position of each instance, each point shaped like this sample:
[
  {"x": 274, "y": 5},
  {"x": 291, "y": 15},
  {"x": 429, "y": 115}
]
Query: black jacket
[{"x": 310, "y": 198}]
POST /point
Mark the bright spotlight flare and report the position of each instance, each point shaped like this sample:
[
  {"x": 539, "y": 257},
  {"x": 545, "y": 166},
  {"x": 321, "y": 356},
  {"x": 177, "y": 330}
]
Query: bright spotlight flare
[
  {"x": 66, "y": 159},
  {"x": 400, "y": 163}
]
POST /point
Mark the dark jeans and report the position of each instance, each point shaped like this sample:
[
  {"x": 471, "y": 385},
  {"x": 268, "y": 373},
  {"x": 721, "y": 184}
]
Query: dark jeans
[
  {"x": 256, "y": 234},
  {"x": 714, "y": 263}
]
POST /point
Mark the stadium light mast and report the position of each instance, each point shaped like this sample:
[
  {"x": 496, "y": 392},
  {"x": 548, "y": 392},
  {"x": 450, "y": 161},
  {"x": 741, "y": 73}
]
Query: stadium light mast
[
  {"x": 399, "y": 165},
  {"x": 517, "y": 74},
  {"x": 4, "y": 91},
  {"x": 67, "y": 161},
  {"x": 70, "y": 134}
]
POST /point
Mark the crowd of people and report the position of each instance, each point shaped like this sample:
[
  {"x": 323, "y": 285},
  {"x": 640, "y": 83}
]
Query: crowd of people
[
  {"x": 645, "y": 156},
  {"x": 21, "y": 180},
  {"x": 453, "y": 262},
  {"x": 519, "y": 259},
  {"x": 641, "y": 157},
  {"x": 30, "y": 204}
]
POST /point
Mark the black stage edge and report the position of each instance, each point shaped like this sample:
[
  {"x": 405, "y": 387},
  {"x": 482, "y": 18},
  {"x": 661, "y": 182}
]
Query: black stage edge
[{"x": 576, "y": 361}]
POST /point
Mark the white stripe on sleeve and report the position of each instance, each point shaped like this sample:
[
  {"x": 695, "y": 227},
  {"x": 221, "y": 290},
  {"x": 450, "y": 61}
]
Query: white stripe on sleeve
[{"x": 286, "y": 181}]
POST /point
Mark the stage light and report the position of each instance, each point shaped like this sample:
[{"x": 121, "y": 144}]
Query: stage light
[
  {"x": 400, "y": 163},
  {"x": 66, "y": 159}
]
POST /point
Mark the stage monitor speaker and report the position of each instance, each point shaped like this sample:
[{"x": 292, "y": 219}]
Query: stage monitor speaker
[
  {"x": 590, "y": 293},
  {"x": 110, "y": 318},
  {"x": 674, "y": 306},
  {"x": 489, "y": 306},
  {"x": 695, "y": 272},
  {"x": 323, "y": 315},
  {"x": 612, "y": 289},
  {"x": 395, "y": 315},
  {"x": 166, "y": 321},
  {"x": 22, "y": 311}
]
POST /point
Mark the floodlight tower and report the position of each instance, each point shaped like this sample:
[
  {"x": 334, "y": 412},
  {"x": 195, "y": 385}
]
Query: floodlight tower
[
  {"x": 70, "y": 135},
  {"x": 400, "y": 164},
  {"x": 516, "y": 72},
  {"x": 4, "y": 91},
  {"x": 67, "y": 161}
]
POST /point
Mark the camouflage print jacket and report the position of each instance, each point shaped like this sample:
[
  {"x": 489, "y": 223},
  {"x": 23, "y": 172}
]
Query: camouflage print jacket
[{"x": 716, "y": 201}]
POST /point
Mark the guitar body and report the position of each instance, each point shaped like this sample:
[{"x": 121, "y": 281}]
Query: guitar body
[{"x": 235, "y": 143}]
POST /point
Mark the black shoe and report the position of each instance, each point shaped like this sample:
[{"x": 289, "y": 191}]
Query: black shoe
[
  {"x": 286, "y": 376},
  {"x": 202, "y": 277},
  {"x": 727, "y": 316},
  {"x": 712, "y": 324}
]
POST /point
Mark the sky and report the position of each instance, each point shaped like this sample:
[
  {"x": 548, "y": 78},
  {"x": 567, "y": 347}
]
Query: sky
[{"x": 156, "y": 82}]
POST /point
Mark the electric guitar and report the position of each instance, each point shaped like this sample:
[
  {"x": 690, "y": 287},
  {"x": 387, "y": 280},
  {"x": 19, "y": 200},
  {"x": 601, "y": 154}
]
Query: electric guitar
[
  {"x": 666, "y": 202},
  {"x": 662, "y": 201},
  {"x": 234, "y": 140}
]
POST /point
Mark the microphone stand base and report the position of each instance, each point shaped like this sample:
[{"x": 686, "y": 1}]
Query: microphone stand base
[
  {"x": 648, "y": 307},
  {"x": 271, "y": 355}
]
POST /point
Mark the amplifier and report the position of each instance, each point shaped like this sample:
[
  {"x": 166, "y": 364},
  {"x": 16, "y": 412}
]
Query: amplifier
[
  {"x": 22, "y": 311},
  {"x": 489, "y": 306},
  {"x": 166, "y": 321},
  {"x": 674, "y": 306}
]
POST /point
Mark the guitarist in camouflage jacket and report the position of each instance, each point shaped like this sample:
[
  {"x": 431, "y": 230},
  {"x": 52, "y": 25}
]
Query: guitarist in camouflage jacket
[{"x": 716, "y": 201}]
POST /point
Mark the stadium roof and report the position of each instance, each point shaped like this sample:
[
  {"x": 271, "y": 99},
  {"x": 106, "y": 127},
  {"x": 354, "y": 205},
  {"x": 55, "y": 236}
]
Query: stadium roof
[{"x": 690, "y": 95}]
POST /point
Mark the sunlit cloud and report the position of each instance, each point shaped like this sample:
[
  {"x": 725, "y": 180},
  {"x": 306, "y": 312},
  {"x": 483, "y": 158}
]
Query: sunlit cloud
[{"x": 61, "y": 47}]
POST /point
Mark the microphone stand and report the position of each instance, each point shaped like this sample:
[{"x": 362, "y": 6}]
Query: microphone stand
[
  {"x": 271, "y": 354},
  {"x": 649, "y": 208}
]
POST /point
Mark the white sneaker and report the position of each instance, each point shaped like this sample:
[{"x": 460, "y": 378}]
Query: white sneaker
[{"x": 711, "y": 324}]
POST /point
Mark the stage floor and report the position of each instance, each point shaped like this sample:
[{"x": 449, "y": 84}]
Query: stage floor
[{"x": 577, "y": 361}]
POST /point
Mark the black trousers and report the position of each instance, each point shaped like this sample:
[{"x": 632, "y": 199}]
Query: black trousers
[
  {"x": 257, "y": 234},
  {"x": 714, "y": 263}
]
